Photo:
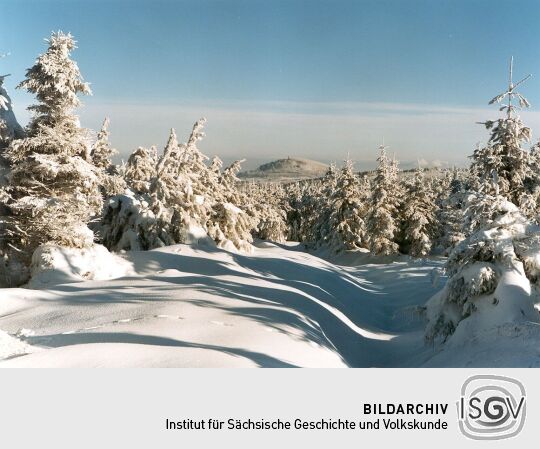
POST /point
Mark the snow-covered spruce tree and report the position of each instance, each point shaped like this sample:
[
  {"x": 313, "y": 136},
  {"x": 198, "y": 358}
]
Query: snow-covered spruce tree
[
  {"x": 166, "y": 195},
  {"x": 381, "y": 221},
  {"x": 364, "y": 187},
  {"x": 194, "y": 196},
  {"x": 9, "y": 127},
  {"x": 310, "y": 204},
  {"x": 53, "y": 186},
  {"x": 450, "y": 213},
  {"x": 504, "y": 154},
  {"x": 293, "y": 195},
  {"x": 140, "y": 169},
  {"x": 318, "y": 207},
  {"x": 102, "y": 152},
  {"x": 346, "y": 223},
  {"x": 530, "y": 200},
  {"x": 302, "y": 199},
  {"x": 419, "y": 216},
  {"x": 9, "y": 130},
  {"x": 12, "y": 272},
  {"x": 228, "y": 222},
  {"x": 268, "y": 207},
  {"x": 490, "y": 274}
]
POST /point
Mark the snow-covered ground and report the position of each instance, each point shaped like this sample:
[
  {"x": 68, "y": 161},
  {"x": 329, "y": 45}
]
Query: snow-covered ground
[{"x": 186, "y": 306}]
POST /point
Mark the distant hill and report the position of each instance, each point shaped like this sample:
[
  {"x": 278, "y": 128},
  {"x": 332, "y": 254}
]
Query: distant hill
[{"x": 286, "y": 170}]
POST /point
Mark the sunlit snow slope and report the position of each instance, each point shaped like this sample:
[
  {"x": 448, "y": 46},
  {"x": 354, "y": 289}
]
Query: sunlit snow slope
[{"x": 205, "y": 307}]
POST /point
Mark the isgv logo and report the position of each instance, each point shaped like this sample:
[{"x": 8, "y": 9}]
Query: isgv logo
[{"x": 491, "y": 407}]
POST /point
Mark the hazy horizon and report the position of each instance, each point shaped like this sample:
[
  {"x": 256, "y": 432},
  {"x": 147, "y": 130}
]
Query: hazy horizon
[{"x": 318, "y": 80}]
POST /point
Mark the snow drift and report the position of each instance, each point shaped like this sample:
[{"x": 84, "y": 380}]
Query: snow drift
[{"x": 53, "y": 265}]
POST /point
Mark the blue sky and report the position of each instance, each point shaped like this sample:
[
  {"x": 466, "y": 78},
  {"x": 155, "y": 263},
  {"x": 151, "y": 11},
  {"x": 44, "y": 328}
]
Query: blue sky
[{"x": 317, "y": 79}]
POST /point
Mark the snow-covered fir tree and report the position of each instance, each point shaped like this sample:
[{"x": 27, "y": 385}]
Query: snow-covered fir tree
[
  {"x": 318, "y": 207},
  {"x": 53, "y": 186},
  {"x": 346, "y": 222},
  {"x": 229, "y": 223},
  {"x": 102, "y": 152},
  {"x": 530, "y": 200},
  {"x": 293, "y": 194},
  {"x": 269, "y": 208},
  {"x": 490, "y": 274},
  {"x": 12, "y": 272},
  {"x": 419, "y": 216},
  {"x": 450, "y": 213},
  {"x": 9, "y": 127},
  {"x": 504, "y": 155},
  {"x": 381, "y": 222},
  {"x": 140, "y": 169}
]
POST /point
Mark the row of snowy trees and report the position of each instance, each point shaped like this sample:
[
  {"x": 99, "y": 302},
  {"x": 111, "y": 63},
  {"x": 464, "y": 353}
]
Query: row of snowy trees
[
  {"x": 383, "y": 212},
  {"x": 176, "y": 197},
  {"x": 58, "y": 185}
]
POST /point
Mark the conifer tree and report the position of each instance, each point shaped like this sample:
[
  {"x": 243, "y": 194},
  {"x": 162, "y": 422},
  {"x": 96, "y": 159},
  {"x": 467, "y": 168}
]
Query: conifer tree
[
  {"x": 490, "y": 273},
  {"x": 112, "y": 183},
  {"x": 9, "y": 127},
  {"x": 419, "y": 216},
  {"x": 381, "y": 223},
  {"x": 229, "y": 220},
  {"x": 451, "y": 213},
  {"x": 102, "y": 152},
  {"x": 318, "y": 207},
  {"x": 504, "y": 155},
  {"x": 53, "y": 186},
  {"x": 140, "y": 170},
  {"x": 346, "y": 221}
]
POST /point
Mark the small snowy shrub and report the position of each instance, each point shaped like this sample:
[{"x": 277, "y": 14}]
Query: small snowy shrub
[
  {"x": 271, "y": 223},
  {"x": 128, "y": 223},
  {"x": 229, "y": 225}
]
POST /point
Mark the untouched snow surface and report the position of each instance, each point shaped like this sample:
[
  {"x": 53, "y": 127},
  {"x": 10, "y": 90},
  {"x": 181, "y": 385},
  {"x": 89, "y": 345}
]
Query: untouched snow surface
[{"x": 185, "y": 306}]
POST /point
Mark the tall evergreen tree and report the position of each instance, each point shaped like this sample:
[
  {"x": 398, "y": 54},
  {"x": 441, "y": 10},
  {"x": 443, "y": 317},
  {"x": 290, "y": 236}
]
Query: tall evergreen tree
[
  {"x": 53, "y": 186},
  {"x": 504, "y": 155},
  {"x": 318, "y": 206},
  {"x": 419, "y": 216},
  {"x": 450, "y": 213},
  {"x": 381, "y": 222},
  {"x": 346, "y": 222}
]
